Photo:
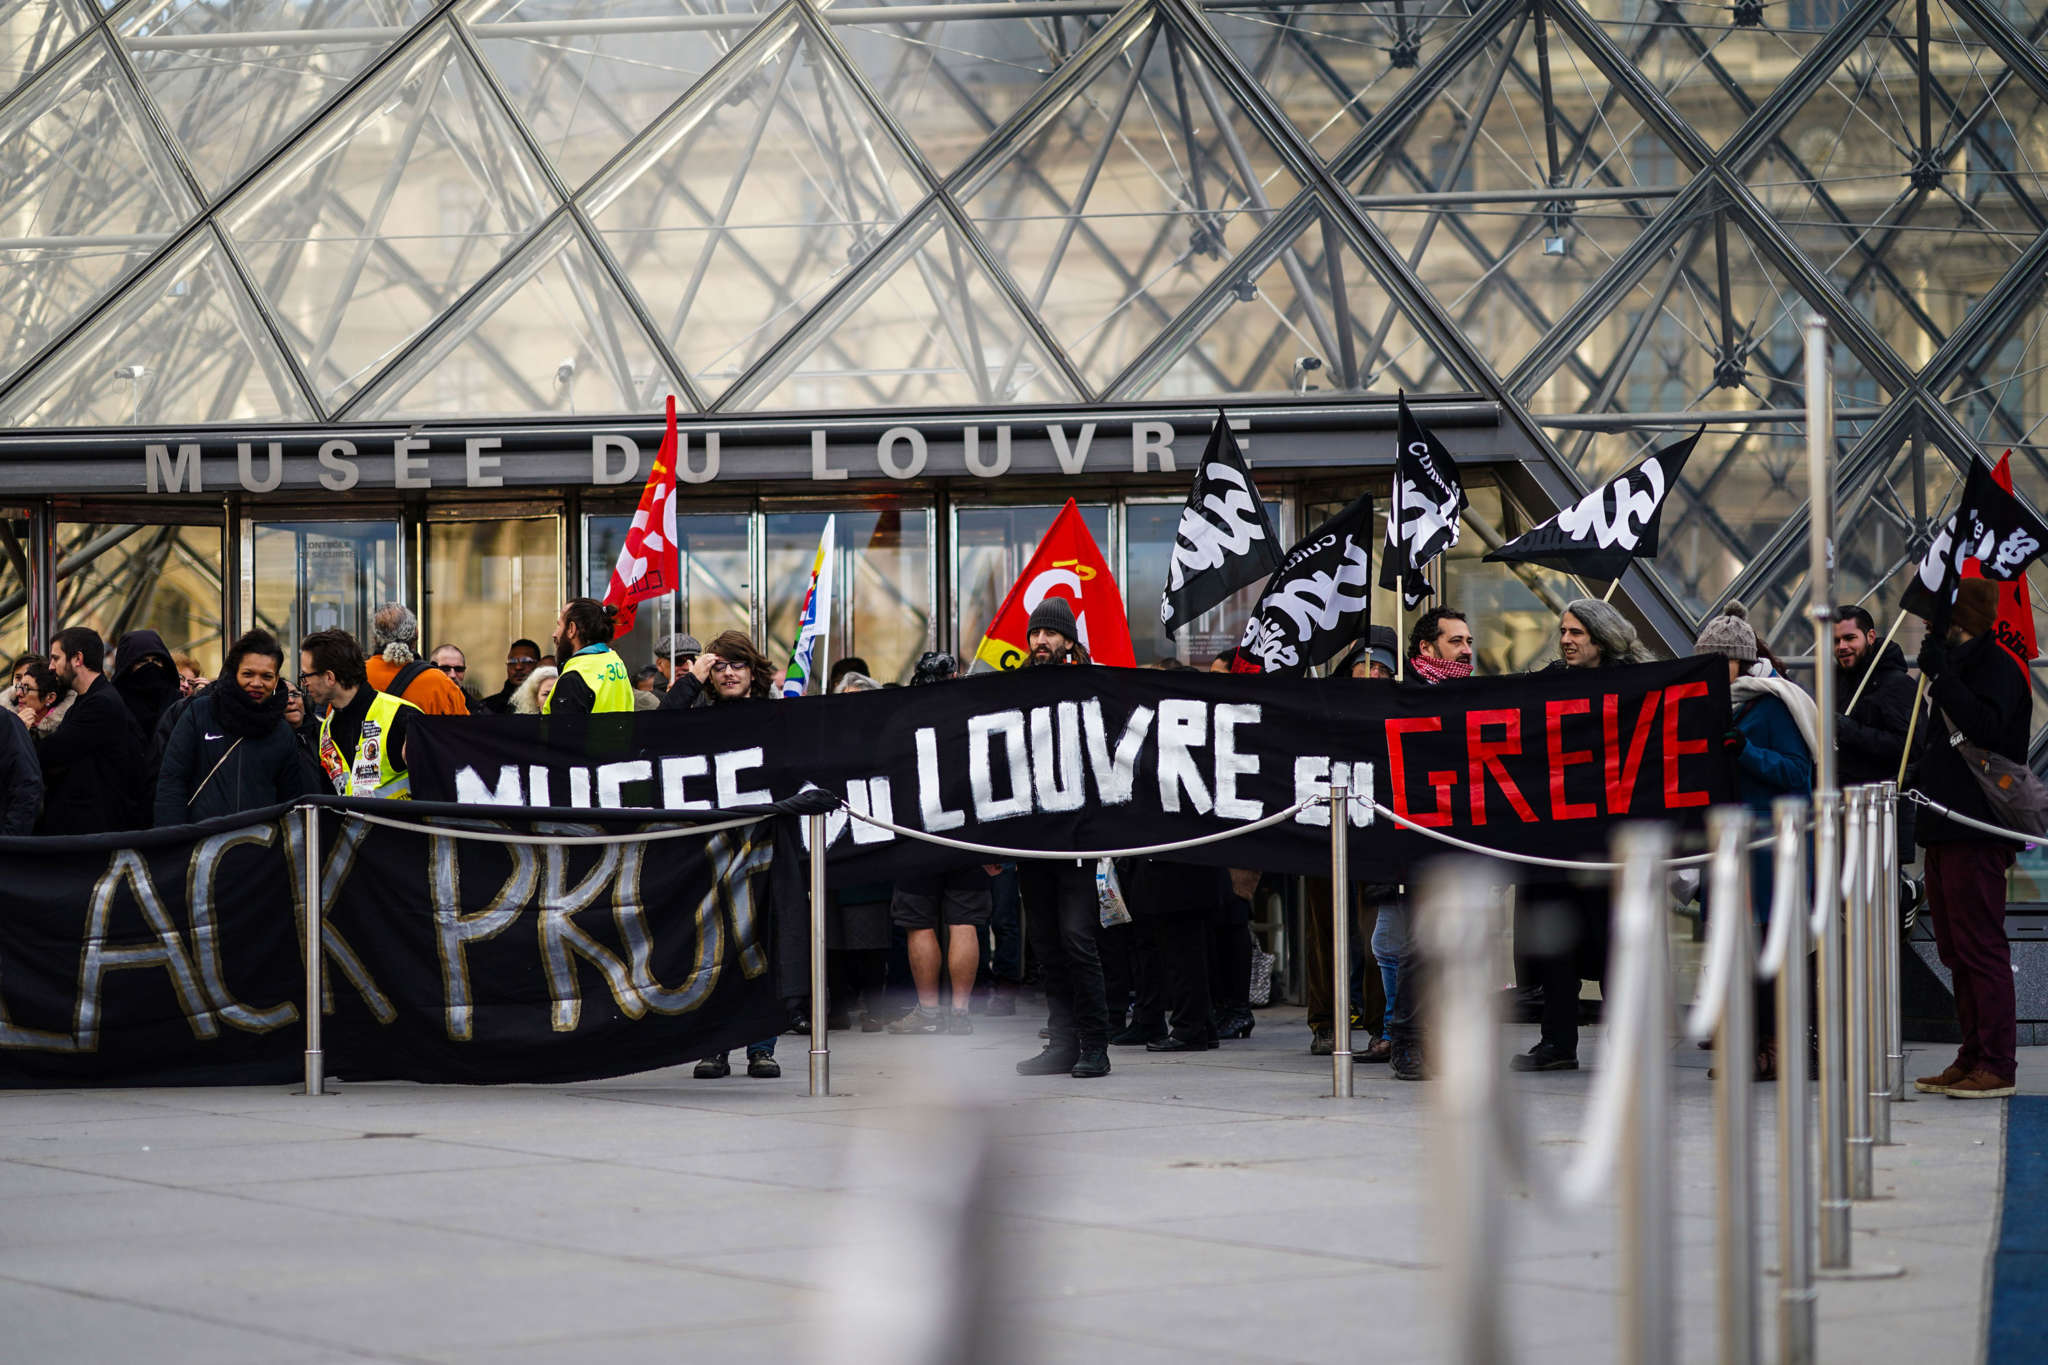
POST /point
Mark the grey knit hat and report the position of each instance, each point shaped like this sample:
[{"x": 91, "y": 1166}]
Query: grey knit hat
[
  {"x": 678, "y": 645},
  {"x": 1054, "y": 613},
  {"x": 1728, "y": 634}
]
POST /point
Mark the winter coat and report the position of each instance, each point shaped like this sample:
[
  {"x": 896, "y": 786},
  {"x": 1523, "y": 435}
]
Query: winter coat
[
  {"x": 146, "y": 677},
  {"x": 93, "y": 778},
  {"x": 227, "y": 755},
  {"x": 1774, "y": 761},
  {"x": 685, "y": 692},
  {"x": 51, "y": 718},
  {"x": 21, "y": 778},
  {"x": 1984, "y": 693},
  {"x": 1870, "y": 739},
  {"x": 433, "y": 691}
]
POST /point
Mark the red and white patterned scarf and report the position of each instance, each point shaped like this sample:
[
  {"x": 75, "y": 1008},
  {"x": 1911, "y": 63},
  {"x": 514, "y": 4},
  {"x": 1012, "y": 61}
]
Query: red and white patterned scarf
[{"x": 1440, "y": 670}]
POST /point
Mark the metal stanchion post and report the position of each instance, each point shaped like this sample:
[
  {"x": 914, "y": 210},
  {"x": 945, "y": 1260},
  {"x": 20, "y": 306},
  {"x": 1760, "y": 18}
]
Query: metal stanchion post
[
  {"x": 1856, "y": 985},
  {"x": 1453, "y": 917},
  {"x": 821, "y": 1053},
  {"x": 1888, "y": 929},
  {"x": 1877, "y": 1091},
  {"x": 316, "y": 1058},
  {"x": 1648, "y": 1331},
  {"x": 1795, "y": 1170},
  {"x": 1340, "y": 938},
  {"x": 1827, "y": 930},
  {"x": 1735, "y": 1051}
]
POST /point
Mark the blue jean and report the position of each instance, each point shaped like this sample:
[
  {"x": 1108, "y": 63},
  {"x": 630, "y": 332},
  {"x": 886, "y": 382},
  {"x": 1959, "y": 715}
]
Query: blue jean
[{"x": 1389, "y": 945}]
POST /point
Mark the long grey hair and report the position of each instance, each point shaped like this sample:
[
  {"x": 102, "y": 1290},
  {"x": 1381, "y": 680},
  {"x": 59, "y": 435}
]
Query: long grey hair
[{"x": 1611, "y": 631}]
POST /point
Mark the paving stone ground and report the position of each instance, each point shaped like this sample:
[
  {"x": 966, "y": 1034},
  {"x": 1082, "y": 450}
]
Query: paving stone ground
[{"x": 1212, "y": 1208}]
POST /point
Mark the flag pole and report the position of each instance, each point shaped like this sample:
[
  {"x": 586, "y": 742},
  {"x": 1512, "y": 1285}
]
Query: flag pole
[
  {"x": 1612, "y": 584},
  {"x": 1912, "y": 724},
  {"x": 1400, "y": 628}
]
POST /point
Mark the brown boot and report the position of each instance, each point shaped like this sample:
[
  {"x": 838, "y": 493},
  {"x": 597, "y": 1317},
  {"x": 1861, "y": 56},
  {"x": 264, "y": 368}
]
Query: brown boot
[
  {"x": 1938, "y": 1085},
  {"x": 1981, "y": 1085}
]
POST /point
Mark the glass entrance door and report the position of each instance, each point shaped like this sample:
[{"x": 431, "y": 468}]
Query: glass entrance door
[
  {"x": 491, "y": 581},
  {"x": 321, "y": 575}
]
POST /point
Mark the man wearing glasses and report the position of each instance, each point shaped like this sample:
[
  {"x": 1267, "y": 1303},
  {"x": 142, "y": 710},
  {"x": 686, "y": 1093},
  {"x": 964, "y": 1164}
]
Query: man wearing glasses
[
  {"x": 521, "y": 659},
  {"x": 730, "y": 670}
]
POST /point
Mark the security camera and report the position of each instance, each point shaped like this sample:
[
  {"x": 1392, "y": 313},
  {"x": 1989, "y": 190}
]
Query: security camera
[
  {"x": 565, "y": 371},
  {"x": 131, "y": 373},
  {"x": 1308, "y": 363}
]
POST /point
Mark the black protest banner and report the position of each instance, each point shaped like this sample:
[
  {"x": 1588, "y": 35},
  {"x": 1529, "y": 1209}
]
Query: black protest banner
[
  {"x": 1094, "y": 758},
  {"x": 174, "y": 957},
  {"x": 167, "y": 957}
]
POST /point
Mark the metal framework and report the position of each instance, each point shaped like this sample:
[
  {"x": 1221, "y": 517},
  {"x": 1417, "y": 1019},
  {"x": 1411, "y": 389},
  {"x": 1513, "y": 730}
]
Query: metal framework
[{"x": 1610, "y": 216}]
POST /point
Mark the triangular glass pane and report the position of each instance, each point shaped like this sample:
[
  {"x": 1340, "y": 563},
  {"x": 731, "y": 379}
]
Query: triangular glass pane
[
  {"x": 1292, "y": 325},
  {"x": 736, "y": 213},
  {"x": 1707, "y": 66},
  {"x": 926, "y": 326},
  {"x": 87, "y": 192},
  {"x": 357, "y": 254},
  {"x": 1115, "y": 214},
  {"x": 551, "y": 334},
  {"x": 1914, "y": 228},
  {"x": 949, "y": 82},
  {"x": 234, "y": 80},
  {"x": 1465, "y": 193},
  {"x": 1670, "y": 349},
  {"x": 1331, "y": 69},
  {"x": 1996, "y": 393},
  {"x": 32, "y": 33},
  {"x": 183, "y": 344},
  {"x": 588, "y": 75}
]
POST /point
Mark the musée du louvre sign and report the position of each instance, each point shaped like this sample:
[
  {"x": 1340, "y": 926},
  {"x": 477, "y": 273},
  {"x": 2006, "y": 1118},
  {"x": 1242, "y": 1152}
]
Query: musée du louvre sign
[{"x": 898, "y": 446}]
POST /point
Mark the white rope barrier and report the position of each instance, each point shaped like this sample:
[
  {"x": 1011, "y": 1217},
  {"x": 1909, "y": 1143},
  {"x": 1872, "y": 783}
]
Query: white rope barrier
[
  {"x": 2024, "y": 840},
  {"x": 1537, "y": 860},
  {"x": 1085, "y": 854},
  {"x": 487, "y": 836}
]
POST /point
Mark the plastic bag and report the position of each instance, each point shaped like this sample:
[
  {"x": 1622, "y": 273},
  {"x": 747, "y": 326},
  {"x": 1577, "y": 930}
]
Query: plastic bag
[{"x": 1109, "y": 895}]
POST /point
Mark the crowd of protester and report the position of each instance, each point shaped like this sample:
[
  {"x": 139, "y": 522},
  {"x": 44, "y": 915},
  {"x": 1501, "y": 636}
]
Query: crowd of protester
[{"x": 93, "y": 742}]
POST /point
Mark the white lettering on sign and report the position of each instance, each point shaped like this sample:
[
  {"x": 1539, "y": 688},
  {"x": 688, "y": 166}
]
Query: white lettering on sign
[
  {"x": 406, "y": 471},
  {"x": 885, "y": 452},
  {"x": 821, "y": 467},
  {"x": 273, "y": 469},
  {"x": 481, "y": 469},
  {"x": 338, "y": 466},
  {"x": 602, "y": 449},
  {"x": 165, "y": 477},
  {"x": 690, "y": 473}
]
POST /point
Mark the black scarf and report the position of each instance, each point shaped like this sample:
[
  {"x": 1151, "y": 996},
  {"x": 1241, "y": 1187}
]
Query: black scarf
[{"x": 241, "y": 717}]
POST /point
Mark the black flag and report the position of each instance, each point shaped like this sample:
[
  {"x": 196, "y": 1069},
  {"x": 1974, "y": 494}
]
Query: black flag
[
  {"x": 1224, "y": 541},
  {"x": 1422, "y": 521},
  {"x": 1599, "y": 534},
  {"x": 1319, "y": 601},
  {"x": 1991, "y": 526}
]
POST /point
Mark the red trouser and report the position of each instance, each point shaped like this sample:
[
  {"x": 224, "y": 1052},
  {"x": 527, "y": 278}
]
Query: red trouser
[{"x": 1966, "y": 898}]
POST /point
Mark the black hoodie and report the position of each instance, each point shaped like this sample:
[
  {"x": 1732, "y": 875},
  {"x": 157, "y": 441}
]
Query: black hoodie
[
  {"x": 146, "y": 677},
  {"x": 1871, "y": 737}
]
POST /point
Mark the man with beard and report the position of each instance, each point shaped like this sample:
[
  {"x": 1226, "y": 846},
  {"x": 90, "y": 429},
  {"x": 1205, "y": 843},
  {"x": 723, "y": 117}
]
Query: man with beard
[
  {"x": 1870, "y": 737},
  {"x": 729, "y": 672},
  {"x": 233, "y": 749},
  {"x": 93, "y": 762},
  {"x": 594, "y": 679},
  {"x": 1061, "y": 914}
]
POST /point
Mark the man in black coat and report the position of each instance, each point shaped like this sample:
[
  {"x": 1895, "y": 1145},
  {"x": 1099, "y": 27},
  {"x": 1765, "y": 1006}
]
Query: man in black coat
[
  {"x": 93, "y": 764},
  {"x": 1870, "y": 737},
  {"x": 1978, "y": 691},
  {"x": 21, "y": 777}
]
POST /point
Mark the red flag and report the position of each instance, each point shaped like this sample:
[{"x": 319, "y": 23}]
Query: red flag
[
  {"x": 1068, "y": 564},
  {"x": 2015, "y": 625},
  {"x": 647, "y": 564}
]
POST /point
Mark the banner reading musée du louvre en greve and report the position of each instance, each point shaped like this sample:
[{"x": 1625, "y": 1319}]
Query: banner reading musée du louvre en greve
[
  {"x": 1113, "y": 758},
  {"x": 173, "y": 957}
]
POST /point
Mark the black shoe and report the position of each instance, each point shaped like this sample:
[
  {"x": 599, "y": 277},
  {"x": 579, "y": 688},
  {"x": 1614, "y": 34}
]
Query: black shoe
[
  {"x": 1322, "y": 1041},
  {"x": 1137, "y": 1035},
  {"x": 799, "y": 1024},
  {"x": 712, "y": 1068},
  {"x": 1001, "y": 1003},
  {"x": 1093, "y": 1061},
  {"x": 870, "y": 1022},
  {"x": 1235, "y": 1024},
  {"x": 1408, "y": 1064},
  {"x": 763, "y": 1067},
  {"x": 1544, "y": 1057},
  {"x": 1378, "y": 1050},
  {"x": 1051, "y": 1062},
  {"x": 959, "y": 1022},
  {"x": 1045, "y": 1032},
  {"x": 1171, "y": 1044}
]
